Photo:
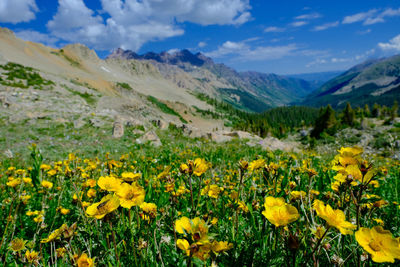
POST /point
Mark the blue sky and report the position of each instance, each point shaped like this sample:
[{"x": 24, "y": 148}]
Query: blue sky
[{"x": 283, "y": 37}]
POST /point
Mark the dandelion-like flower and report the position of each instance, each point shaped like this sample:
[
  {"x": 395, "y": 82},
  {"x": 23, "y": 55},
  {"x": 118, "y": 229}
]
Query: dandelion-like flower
[{"x": 17, "y": 244}]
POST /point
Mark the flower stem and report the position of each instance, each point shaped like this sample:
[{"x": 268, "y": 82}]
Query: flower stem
[
  {"x": 191, "y": 192},
  {"x": 115, "y": 243}
]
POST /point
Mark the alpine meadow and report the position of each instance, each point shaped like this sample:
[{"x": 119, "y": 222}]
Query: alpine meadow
[{"x": 199, "y": 133}]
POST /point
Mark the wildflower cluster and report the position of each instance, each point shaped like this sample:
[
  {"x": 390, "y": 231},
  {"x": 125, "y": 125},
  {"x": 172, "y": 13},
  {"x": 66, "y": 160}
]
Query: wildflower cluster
[{"x": 176, "y": 208}]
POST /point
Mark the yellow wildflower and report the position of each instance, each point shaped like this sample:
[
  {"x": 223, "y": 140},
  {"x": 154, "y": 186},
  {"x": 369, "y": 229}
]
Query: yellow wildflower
[
  {"x": 149, "y": 208},
  {"x": 14, "y": 182},
  {"x": 31, "y": 256},
  {"x": 106, "y": 205},
  {"x": 91, "y": 182},
  {"x": 109, "y": 183},
  {"x": 379, "y": 221},
  {"x": 91, "y": 193},
  {"x": 61, "y": 252},
  {"x": 184, "y": 168},
  {"x": 27, "y": 180},
  {"x": 45, "y": 167},
  {"x": 212, "y": 191},
  {"x": 130, "y": 176},
  {"x": 130, "y": 195},
  {"x": 85, "y": 261},
  {"x": 55, "y": 234},
  {"x": 47, "y": 184},
  {"x": 200, "y": 166},
  {"x": 195, "y": 231},
  {"x": 256, "y": 164},
  {"x": 278, "y": 212},
  {"x": 64, "y": 211},
  {"x": 379, "y": 243},
  {"x": 17, "y": 244},
  {"x": 297, "y": 195},
  {"x": 221, "y": 246},
  {"x": 335, "y": 218},
  {"x": 52, "y": 172}
]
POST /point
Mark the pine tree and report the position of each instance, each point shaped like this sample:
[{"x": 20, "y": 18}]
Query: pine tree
[
  {"x": 376, "y": 111},
  {"x": 349, "y": 115},
  {"x": 326, "y": 122},
  {"x": 367, "y": 112}
]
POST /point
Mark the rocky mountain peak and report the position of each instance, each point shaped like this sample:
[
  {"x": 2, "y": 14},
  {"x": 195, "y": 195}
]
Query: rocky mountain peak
[
  {"x": 81, "y": 51},
  {"x": 124, "y": 54},
  {"x": 174, "y": 58}
]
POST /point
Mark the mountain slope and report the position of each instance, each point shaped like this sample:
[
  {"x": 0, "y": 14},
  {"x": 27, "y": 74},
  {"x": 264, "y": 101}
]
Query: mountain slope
[
  {"x": 247, "y": 90},
  {"x": 373, "y": 81},
  {"x": 73, "y": 84}
]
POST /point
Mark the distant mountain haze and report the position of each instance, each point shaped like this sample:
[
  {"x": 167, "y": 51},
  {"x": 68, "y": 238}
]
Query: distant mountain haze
[{"x": 252, "y": 91}]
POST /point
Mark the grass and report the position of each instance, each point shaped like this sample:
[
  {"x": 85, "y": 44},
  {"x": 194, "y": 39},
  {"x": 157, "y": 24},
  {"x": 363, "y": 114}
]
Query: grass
[
  {"x": 71, "y": 61},
  {"x": 125, "y": 86},
  {"x": 89, "y": 98},
  {"x": 164, "y": 108},
  {"x": 234, "y": 212},
  {"x": 17, "y": 75}
]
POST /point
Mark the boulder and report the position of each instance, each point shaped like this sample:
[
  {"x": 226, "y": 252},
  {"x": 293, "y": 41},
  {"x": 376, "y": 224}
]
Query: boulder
[
  {"x": 8, "y": 153},
  {"x": 218, "y": 137},
  {"x": 150, "y": 137},
  {"x": 272, "y": 143},
  {"x": 246, "y": 135},
  {"x": 118, "y": 129}
]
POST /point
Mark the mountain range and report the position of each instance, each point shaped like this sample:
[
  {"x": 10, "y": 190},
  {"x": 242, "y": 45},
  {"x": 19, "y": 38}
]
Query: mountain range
[
  {"x": 373, "y": 81},
  {"x": 252, "y": 91},
  {"x": 72, "y": 83}
]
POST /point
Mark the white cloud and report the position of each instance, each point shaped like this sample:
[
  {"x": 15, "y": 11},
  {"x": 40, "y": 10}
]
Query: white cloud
[
  {"x": 14, "y": 11},
  {"x": 173, "y": 51},
  {"x": 318, "y": 61},
  {"x": 308, "y": 16},
  {"x": 359, "y": 16},
  {"x": 326, "y": 26},
  {"x": 372, "y": 16},
  {"x": 131, "y": 23},
  {"x": 274, "y": 29},
  {"x": 243, "y": 52},
  {"x": 340, "y": 60},
  {"x": 393, "y": 44},
  {"x": 344, "y": 62},
  {"x": 202, "y": 44},
  {"x": 298, "y": 23},
  {"x": 37, "y": 37}
]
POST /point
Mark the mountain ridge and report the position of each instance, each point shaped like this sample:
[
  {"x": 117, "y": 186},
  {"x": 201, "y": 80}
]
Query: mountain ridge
[
  {"x": 262, "y": 90},
  {"x": 372, "y": 81}
]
